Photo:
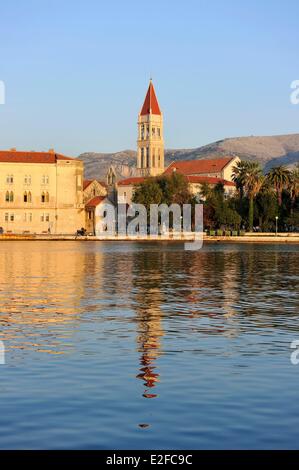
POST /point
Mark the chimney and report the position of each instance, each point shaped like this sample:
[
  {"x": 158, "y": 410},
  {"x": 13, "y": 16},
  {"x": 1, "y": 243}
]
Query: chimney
[
  {"x": 13, "y": 149},
  {"x": 51, "y": 151}
]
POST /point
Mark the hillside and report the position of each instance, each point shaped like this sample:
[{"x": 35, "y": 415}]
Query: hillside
[{"x": 269, "y": 151}]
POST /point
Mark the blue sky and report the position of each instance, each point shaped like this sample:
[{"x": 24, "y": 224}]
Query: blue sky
[{"x": 76, "y": 72}]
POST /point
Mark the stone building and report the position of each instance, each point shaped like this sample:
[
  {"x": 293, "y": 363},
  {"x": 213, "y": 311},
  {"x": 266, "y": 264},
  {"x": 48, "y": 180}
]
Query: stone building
[
  {"x": 150, "y": 158},
  {"x": 93, "y": 188},
  {"x": 221, "y": 168},
  {"x": 197, "y": 173},
  {"x": 150, "y": 143},
  {"x": 95, "y": 215},
  {"x": 40, "y": 192}
]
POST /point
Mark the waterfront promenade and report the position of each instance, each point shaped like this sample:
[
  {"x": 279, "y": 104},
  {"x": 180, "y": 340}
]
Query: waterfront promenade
[{"x": 172, "y": 237}]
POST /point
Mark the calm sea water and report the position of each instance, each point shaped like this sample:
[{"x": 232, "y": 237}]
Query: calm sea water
[{"x": 136, "y": 345}]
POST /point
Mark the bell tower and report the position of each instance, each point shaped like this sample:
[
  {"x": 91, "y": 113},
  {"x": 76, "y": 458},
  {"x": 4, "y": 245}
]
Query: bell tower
[{"x": 150, "y": 144}]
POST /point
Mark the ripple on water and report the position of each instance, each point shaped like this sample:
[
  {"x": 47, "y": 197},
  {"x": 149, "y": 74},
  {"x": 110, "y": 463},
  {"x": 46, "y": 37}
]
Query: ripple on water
[{"x": 135, "y": 345}]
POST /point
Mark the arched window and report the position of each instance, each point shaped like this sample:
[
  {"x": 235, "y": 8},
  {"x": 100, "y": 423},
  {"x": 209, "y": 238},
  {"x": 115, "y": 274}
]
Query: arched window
[
  {"x": 154, "y": 158},
  {"x": 43, "y": 198},
  {"x": 11, "y": 196},
  {"x": 25, "y": 196},
  {"x": 147, "y": 158},
  {"x": 47, "y": 197},
  {"x": 29, "y": 197},
  {"x": 7, "y": 196}
]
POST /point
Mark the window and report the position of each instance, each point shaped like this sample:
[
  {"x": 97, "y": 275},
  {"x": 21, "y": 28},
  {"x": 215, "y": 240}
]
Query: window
[
  {"x": 30, "y": 217},
  {"x": 9, "y": 196},
  {"x": 47, "y": 217},
  {"x": 25, "y": 197},
  {"x": 12, "y": 217},
  {"x": 153, "y": 131},
  {"x": 27, "y": 179},
  {"x": 29, "y": 197},
  {"x": 44, "y": 197},
  {"x": 45, "y": 179},
  {"x": 6, "y": 217},
  {"x": 158, "y": 131},
  {"x": 42, "y": 218},
  {"x": 9, "y": 179},
  {"x": 142, "y": 131},
  {"x": 47, "y": 197}
]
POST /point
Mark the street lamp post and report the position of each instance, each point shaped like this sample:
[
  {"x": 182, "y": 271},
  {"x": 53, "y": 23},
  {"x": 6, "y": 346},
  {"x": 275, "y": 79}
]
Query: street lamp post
[{"x": 276, "y": 228}]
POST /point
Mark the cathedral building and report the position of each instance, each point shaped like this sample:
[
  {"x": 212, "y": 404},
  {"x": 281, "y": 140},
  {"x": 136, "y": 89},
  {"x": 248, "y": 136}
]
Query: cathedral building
[{"x": 150, "y": 158}]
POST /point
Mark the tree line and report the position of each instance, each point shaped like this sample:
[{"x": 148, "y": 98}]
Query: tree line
[{"x": 259, "y": 203}]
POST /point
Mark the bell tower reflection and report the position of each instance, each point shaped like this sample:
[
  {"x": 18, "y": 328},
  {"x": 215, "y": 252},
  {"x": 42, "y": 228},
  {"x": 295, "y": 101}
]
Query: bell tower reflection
[{"x": 148, "y": 298}]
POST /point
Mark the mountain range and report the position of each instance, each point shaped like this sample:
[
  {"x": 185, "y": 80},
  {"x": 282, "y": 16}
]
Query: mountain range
[{"x": 269, "y": 151}]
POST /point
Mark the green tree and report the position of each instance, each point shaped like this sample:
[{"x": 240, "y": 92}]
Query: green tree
[
  {"x": 279, "y": 177},
  {"x": 253, "y": 185},
  {"x": 147, "y": 193},
  {"x": 239, "y": 176},
  {"x": 266, "y": 210},
  {"x": 293, "y": 187}
]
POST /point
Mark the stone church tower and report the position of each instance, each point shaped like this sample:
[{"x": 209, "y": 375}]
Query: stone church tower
[{"x": 150, "y": 144}]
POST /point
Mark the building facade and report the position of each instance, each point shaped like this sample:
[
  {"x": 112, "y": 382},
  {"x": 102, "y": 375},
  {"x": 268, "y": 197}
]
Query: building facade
[
  {"x": 150, "y": 143},
  {"x": 197, "y": 173},
  {"x": 221, "y": 168},
  {"x": 93, "y": 188},
  {"x": 95, "y": 215},
  {"x": 40, "y": 192}
]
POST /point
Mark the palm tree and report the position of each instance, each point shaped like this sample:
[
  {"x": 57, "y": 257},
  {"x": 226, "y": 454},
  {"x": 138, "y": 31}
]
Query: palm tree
[
  {"x": 293, "y": 187},
  {"x": 279, "y": 177},
  {"x": 254, "y": 181},
  {"x": 239, "y": 176}
]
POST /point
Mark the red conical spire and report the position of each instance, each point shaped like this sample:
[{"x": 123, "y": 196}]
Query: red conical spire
[{"x": 150, "y": 103}]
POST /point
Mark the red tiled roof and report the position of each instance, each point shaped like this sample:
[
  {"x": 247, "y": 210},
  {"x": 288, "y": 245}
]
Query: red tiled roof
[
  {"x": 86, "y": 183},
  {"x": 209, "y": 180},
  {"x": 150, "y": 102},
  {"x": 131, "y": 181},
  {"x": 192, "y": 167},
  {"x": 14, "y": 156},
  {"x": 95, "y": 201}
]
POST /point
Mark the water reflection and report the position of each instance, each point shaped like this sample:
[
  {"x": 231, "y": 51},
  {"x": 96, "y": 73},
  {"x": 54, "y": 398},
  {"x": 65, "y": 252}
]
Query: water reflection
[
  {"x": 148, "y": 299},
  {"x": 218, "y": 291},
  {"x": 88, "y": 327}
]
